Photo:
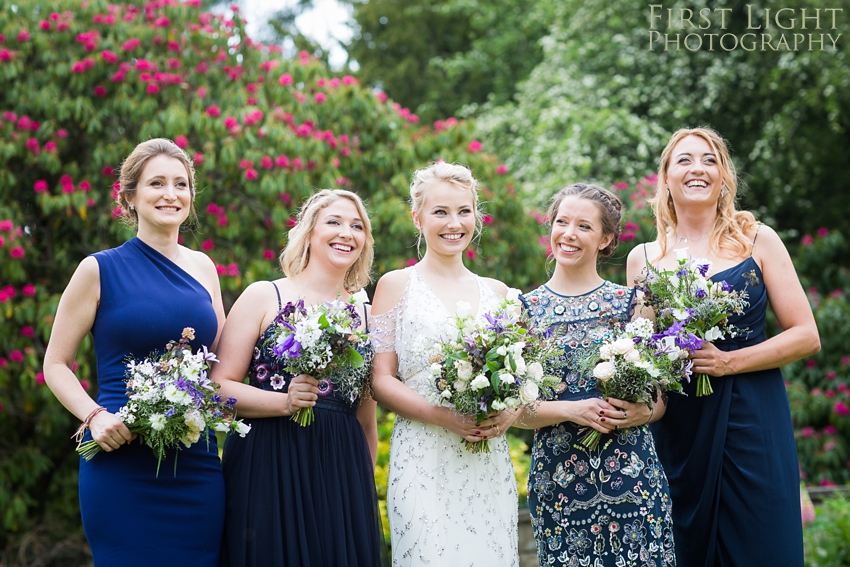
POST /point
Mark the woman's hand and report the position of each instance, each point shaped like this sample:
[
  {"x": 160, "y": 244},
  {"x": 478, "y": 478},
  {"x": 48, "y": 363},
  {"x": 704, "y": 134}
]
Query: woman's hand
[
  {"x": 302, "y": 393},
  {"x": 626, "y": 414},
  {"x": 498, "y": 424},
  {"x": 711, "y": 360},
  {"x": 592, "y": 412},
  {"x": 109, "y": 432},
  {"x": 463, "y": 425}
]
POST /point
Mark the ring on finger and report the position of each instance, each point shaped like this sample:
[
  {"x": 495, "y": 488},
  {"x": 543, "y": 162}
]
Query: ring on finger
[{"x": 625, "y": 415}]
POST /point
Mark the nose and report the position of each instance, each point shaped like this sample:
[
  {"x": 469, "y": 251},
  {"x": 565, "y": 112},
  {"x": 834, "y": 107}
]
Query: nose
[
  {"x": 454, "y": 220},
  {"x": 344, "y": 230},
  {"x": 170, "y": 192}
]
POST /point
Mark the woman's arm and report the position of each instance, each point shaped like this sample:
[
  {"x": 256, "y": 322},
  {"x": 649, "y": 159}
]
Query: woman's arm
[
  {"x": 591, "y": 412},
  {"x": 636, "y": 265},
  {"x": 799, "y": 337},
  {"x": 368, "y": 420},
  {"x": 74, "y": 319},
  {"x": 236, "y": 347}
]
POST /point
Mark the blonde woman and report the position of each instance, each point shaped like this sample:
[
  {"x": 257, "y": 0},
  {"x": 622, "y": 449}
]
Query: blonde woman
[
  {"x": 301, "y": 496},
  {"x": 134, "y": 299},
  {"x": 447, "y": 506},
  {"x": 730, "y": 457}
]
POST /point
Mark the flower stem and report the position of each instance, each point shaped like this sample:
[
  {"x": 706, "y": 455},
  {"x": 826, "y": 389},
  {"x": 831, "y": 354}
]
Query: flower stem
[
  {"x": 477, "y": 446},
  {"x": 303, "y": 417},
  {"x": 704, "y": 385},
  {"x": 590, "y": 440}
]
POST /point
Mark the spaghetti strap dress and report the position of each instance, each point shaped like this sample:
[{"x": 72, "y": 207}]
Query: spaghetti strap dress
[
  {"x": 131, "y": 516},
  {"x": 300, "y": 496},
  {"x": 731, "y": 459}
]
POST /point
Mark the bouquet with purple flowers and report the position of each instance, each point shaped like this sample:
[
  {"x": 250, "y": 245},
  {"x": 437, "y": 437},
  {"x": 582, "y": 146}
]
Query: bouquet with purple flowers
[
  {"x": 325, "y": 342},
  {"x": 691, "y": 309},
  {"x": 173, "y": 401},
  {"x": 486, "y": 368},
  {"x": 634, "y": 365}
]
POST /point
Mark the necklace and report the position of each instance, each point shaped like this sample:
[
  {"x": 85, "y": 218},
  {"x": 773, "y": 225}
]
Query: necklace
[{"x": 689, "y": 239}]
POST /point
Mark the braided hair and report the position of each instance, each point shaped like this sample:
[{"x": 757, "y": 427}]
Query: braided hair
[{"x": 609, "y": 205}]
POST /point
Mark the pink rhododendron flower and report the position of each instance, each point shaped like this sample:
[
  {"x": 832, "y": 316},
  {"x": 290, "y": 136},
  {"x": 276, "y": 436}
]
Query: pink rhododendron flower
[
  {"x": 117, "y": 212},
  {"x": 28, "y": 331},
  {"x": 67, "y": 187},
  {"x": 50, "y": 146},
  {"x": 24, "y": 35},
  {"x": 222, "y": 220},
  {"x": 841, "y": 408},
  {"x": 267, "y": 162},
  {"x": 811, "y": 363},
  {"x": 207, "y": 245},
  {"x": 251, "y": 174},
  {"x": 17, "y": 252},
  {"x": 85, "y": 186},
  {"x": 470, "y": 254},
  {"x": 100, "y": 91},
  {"x": 230, "y": 122},
  {"x": 475, "y": 146},
  {"x": 153, "y": 88},
  {"x": 40, "y": 186},
  {"x": 198, "y": 158},
  {"x": 221, "y": 270},
  {"x": 269, "y": 254},
  {"x": 808, "y": 240},
  {"x": 85, "y": 384},
  {"x": 130, "y": 44},
  {"x": 285, "y": 79},
  {"x": 233, "y": 270},
  {"x": 181, "y": 142},
  {"x": 626, "y": 236},
  {"x": 487, "y": 219},
  {"x": 45, "y": 25},
  {"x": 282, "y": 161},
  {"x": 28, "y": 290},
  {"x": 16, "y": 356},
  {"x": 5, "y": 55},
  {"x": 297, "y": 164},
  {"x": 6, "y": 225},
  {"x": 320, "y": 98},
  {"x": 3, "y": 363},
  {"x": 822, "y": 232},
  {"x": 39, "y": 378}
]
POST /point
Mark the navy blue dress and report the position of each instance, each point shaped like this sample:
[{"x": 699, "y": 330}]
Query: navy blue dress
[
  {"x": 606, "y": 507},
  {"x": 300, "y": 496},
  {"x": 731, "y": 459},
  {"x": 132, "y": 517}
]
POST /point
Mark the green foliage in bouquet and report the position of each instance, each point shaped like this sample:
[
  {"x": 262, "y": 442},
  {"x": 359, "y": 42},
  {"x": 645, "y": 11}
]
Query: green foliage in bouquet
[{"x": 83, "y": 83}]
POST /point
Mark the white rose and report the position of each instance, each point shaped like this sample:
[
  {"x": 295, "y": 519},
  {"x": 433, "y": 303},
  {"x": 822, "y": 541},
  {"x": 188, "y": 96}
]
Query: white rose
[
  {"x": 502, "y": 351},
  {"x": 606, "y": 353},
  {"x": 479, "y": 383},
  {"x": 461, "y": 385},
  {"x": 681, "y": 254},
  {"x": 604, "y": 371},
  {"x": 464, "y": 369},
  {"x": 632, "y": 356},
  {"x": 463, "y": 308},
  {"x": 713, "y": 334},
  {"x": 529, "y": 392},
  {"x": 513, "y": 294},
  {"x": 535, "y": 371},
  {"x": 512, "y": 402},
  {"x": 498, "y": 406},
  {"x": 242, "y": 429},
  {"x": 157, "y": 421},
  {"x": 507, "y": 378},
  {"x": 622, "y": 346},
  {"x": 436, "y": 369}
]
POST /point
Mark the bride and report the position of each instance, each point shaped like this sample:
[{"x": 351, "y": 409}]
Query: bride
[{"x": 446, "y": 505}]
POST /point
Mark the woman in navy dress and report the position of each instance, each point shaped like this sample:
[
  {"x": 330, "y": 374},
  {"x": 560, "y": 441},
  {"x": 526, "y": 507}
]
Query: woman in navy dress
[
  {"x": 301, "y": 496},
  {"x": 608, "y": 506},
  {"x": 730, "y": 456},
  {"x": 134, "y": 299}
]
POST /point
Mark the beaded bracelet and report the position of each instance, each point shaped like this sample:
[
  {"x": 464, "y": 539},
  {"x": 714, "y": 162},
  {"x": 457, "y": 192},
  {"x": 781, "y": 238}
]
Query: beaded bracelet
[{"x": 81, "y": 430}]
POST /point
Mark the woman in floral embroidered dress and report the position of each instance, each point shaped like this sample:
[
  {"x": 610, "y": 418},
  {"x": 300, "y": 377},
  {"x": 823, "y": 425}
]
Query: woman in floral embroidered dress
[{"x": 609, "y": 506}]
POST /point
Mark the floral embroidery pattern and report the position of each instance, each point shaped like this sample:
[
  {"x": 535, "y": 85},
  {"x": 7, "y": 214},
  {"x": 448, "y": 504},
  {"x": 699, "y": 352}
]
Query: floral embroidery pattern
[{"x": 606, "y": 507}]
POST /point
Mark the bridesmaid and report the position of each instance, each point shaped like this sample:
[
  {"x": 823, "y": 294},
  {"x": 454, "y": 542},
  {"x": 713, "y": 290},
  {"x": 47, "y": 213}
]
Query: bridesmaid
[
  {"x": 730, "y": 456},
  {"x": 134, "y": 299},
  {"x": 301, "y": 496},
  {"x": 609, "y": 506},
  {"x": 447, "y": 506}
]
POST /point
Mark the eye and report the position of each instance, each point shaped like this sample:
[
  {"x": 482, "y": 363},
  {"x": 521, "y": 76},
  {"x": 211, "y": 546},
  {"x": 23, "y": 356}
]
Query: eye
[
  {"x": 357, "y": 226},
  {"x": 586, "y": 226},
  {"x": 156, "y": 182},
  {"x": 560, "y": 222},
  {"x": 683, "y": 160},
  {"x": 465, "y": 211},
  {"x": 440, "y": 212},
  {"x": 333, "y": 221},
  {"x": 710, "y": 160}
]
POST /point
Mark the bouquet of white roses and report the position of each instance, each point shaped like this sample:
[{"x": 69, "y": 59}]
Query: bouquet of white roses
[
  {"x": 323, "y": 341},
  {"x": 634, "y": 366},
  {"x": 173, "y": 401},
  {"x": 691, "y": 308},
  {"x": 486, "y": 368}
]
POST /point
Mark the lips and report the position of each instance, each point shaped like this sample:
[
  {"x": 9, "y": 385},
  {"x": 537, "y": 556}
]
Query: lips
[
  {"x": 567, "y": 248},
  {"x": 452, "y": 236},
  {"x": 342, "y": 247},
  {"x": 168, "y": 208},
  {"x": 696, "y": 184}
]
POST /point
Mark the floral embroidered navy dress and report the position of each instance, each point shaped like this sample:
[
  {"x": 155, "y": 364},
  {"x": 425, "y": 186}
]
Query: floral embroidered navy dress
[
  {"x": 300, "y": 496},
  {"x": 604, "y": 507}
]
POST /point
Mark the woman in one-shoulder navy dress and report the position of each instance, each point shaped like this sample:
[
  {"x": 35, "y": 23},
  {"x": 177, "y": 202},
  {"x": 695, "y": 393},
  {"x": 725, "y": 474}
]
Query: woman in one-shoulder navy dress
[
  {"x": 134, "y": 299},
  {"x": 301, "y": 496},
  {"x": 730, "y": 457}
]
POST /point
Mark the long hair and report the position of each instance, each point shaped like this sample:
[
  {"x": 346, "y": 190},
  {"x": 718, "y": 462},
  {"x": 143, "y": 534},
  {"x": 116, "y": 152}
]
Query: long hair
[
  {"x": 296, "y": 254},
  {"x": 729, "y": 233}
]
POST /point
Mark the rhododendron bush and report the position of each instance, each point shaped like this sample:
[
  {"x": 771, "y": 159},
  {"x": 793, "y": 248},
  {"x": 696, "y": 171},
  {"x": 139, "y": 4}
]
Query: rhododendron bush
[{"x": 83, "y": 83}]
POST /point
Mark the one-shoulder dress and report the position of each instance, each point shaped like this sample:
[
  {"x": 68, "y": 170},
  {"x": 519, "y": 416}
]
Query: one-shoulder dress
[
  {"x": 300, "y": 496},
  {"x": 131, "y": 516},
  {"x": 731, "y": 459}
]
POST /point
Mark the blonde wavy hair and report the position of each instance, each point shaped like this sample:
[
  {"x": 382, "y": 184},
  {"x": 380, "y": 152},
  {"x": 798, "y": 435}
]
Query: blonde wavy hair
[
  {"x": 296, "y": 254},
  {"x": 729, "y": 233},
  {"x": 134, "y": 164}
]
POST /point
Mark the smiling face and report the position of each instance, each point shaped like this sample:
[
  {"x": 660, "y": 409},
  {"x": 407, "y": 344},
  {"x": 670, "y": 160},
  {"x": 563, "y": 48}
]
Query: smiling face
[
  {"x": 693, "y": 174},
  {"x": 163, "y": 196},
  {"x": 577, "y": 234},
  {"x": 338, "y": 235},
  {"x": 446, "y": 218}
]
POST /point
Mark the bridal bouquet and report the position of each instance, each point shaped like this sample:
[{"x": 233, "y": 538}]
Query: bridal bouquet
[
  {"x": 487, "y": 367},
  {"x": 690, "y": 308},
  {"x": 322, "y": 341},
  {"x": 173, "y": 401},
  {"x": 634, "y": 365}
]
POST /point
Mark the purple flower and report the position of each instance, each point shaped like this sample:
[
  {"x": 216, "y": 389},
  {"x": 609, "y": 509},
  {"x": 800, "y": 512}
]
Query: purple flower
[
  {"x": 686, "y": 371},
  {"x": 700, "y": 293},
  {"x": 209, "y": 356},
  {"x": 683, "y": 273},
  {"x": 725, "y": 286},
  {"x": 231, "y": 402},
  {"x": 170, "y": 412},
  {"x": 498, "y": 323},
  {"x": 325, "y": 387},
  {"x": 703, "y": 269},
  {"x": 289, "y": 348}
]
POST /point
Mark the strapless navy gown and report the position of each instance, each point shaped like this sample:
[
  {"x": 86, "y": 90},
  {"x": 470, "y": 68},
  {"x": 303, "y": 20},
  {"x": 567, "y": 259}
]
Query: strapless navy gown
[
  {"x": 731, "y": 460},
  {"x": 300, "y": 496},
  {"x": 131, "y": 517}
]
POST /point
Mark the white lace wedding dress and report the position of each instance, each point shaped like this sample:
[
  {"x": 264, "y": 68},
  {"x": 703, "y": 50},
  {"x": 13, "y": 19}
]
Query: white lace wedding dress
[{"x": 447, "y": 506}]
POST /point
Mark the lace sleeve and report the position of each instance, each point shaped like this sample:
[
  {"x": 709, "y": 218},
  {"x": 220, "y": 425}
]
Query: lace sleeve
[{"x": 382, "y": 332}]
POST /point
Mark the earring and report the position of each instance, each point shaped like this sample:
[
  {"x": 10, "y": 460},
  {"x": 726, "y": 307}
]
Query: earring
[
  {"x": 132, "y": 208},
  {"x": 723, "y": 191},
  {"x": 668, "y": 192}
]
